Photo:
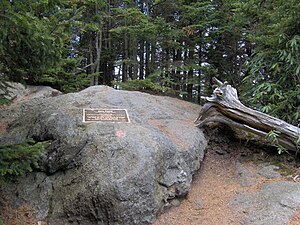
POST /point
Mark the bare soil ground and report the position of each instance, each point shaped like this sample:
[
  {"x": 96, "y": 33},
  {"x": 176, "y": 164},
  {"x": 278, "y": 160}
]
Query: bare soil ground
[
  {"x": 207, "y": 203},
  {"x": 23, "y": 215},
  {"x": 215, "y": 185}
]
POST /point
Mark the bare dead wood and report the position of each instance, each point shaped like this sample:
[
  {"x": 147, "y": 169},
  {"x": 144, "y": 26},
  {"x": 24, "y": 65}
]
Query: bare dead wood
[{"x": 224, "y": 107}]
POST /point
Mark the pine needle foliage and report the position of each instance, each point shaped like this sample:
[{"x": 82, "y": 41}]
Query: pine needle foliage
[
  {"x": 18, "y": 159},
  {"x": 155, "y": 83}
]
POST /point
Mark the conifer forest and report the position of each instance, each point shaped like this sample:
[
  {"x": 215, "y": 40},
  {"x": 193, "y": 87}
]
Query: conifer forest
[{"x": 167, "y": 47}]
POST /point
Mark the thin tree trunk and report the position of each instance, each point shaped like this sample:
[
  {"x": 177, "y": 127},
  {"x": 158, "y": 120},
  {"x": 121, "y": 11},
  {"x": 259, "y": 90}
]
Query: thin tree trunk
[
  {"x": 91, "y": 57},
  {"x": 152, "y": 66},
  {"x": 147, "y": 62},
  {"x": 109, "y": 73},
  {"x": 176, "y": 74},
  {"x": 98, "y": 46},
  {"x": 190, "y": 76},
  {"x": 128, "y": 58},
  {"x": 134, "y": 53},
  {"x": 142, "y": 59},
  {"x": 125, "y": 57},
  {"x": 199, "y": 75}
]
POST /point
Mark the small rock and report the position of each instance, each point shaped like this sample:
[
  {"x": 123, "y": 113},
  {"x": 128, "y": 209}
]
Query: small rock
[
  {"x": 42, "y": 223},
  {"x": 198, "y": 204},
  {"x": 245, "y": 176},
  {"x": 175, "y": 202},
  {"x": 220, "y": 152},
  {"x": 245, "y": 211},
  {"x": 269, "y": 171},
  {"x": 244, "y": 154}
]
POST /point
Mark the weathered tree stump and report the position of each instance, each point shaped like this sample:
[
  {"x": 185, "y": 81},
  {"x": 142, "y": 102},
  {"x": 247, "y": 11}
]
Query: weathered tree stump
[{"x": 224, "y": 107}]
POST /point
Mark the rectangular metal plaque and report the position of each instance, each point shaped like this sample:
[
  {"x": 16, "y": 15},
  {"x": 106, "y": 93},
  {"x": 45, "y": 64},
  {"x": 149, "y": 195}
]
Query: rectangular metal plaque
[{"x": 105, "y": 115}]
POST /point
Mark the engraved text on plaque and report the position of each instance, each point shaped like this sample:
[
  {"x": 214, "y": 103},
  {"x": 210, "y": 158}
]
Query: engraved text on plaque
[{"x": 106, "y": 115}]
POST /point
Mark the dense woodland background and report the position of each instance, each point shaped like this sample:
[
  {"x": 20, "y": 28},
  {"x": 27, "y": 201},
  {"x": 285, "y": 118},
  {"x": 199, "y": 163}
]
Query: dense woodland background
[{"x": 170, "y": 47}]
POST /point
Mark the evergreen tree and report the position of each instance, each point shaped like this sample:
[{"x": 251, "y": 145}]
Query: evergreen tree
[
  {"x": 171, "y": 47},
  {"x": 273, "y": 81},
  {"x": 37, "y": 41}
]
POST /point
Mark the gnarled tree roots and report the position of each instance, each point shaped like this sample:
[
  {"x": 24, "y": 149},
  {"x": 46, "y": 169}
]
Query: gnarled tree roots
[{"x": 224, "y": 107}]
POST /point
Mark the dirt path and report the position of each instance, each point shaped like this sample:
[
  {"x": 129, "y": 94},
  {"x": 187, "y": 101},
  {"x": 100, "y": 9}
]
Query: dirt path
[
  {"x": 207, "y": 202},
  {"x": 214, "y": 187}
]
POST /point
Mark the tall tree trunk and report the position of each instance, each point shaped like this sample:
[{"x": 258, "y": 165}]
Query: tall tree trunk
[
  {"x": 91, "y": 61},
  {"x": 95, "y": 68},
  {"x": 134, "y": 53},
  {"x": 190, "y": 76},
  {"x": 108, "y": 76},
  {"x": 125, "y": 58},
  {"x": 147, "y": 61},
  {"x": 98, "y": 46},
  {"x": 142, "y": 59},
  {"x": 129, "y": 57},
  {"x": 199, "y": 75},
  {"x": 153, "y": 56},
  {"x": 176, "y": 73}
]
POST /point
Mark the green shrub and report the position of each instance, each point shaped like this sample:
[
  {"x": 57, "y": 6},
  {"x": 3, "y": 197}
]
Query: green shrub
[
  {"x": 18, "y": 159},
  {"x": 4, "y": 101}
]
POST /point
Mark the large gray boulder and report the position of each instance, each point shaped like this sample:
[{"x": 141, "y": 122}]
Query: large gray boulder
[{"x": 104, "y": 173}]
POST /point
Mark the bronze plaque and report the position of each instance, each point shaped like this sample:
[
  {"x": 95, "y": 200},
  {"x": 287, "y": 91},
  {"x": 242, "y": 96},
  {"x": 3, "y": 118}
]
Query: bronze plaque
[{"x": 106, "y": 115}]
